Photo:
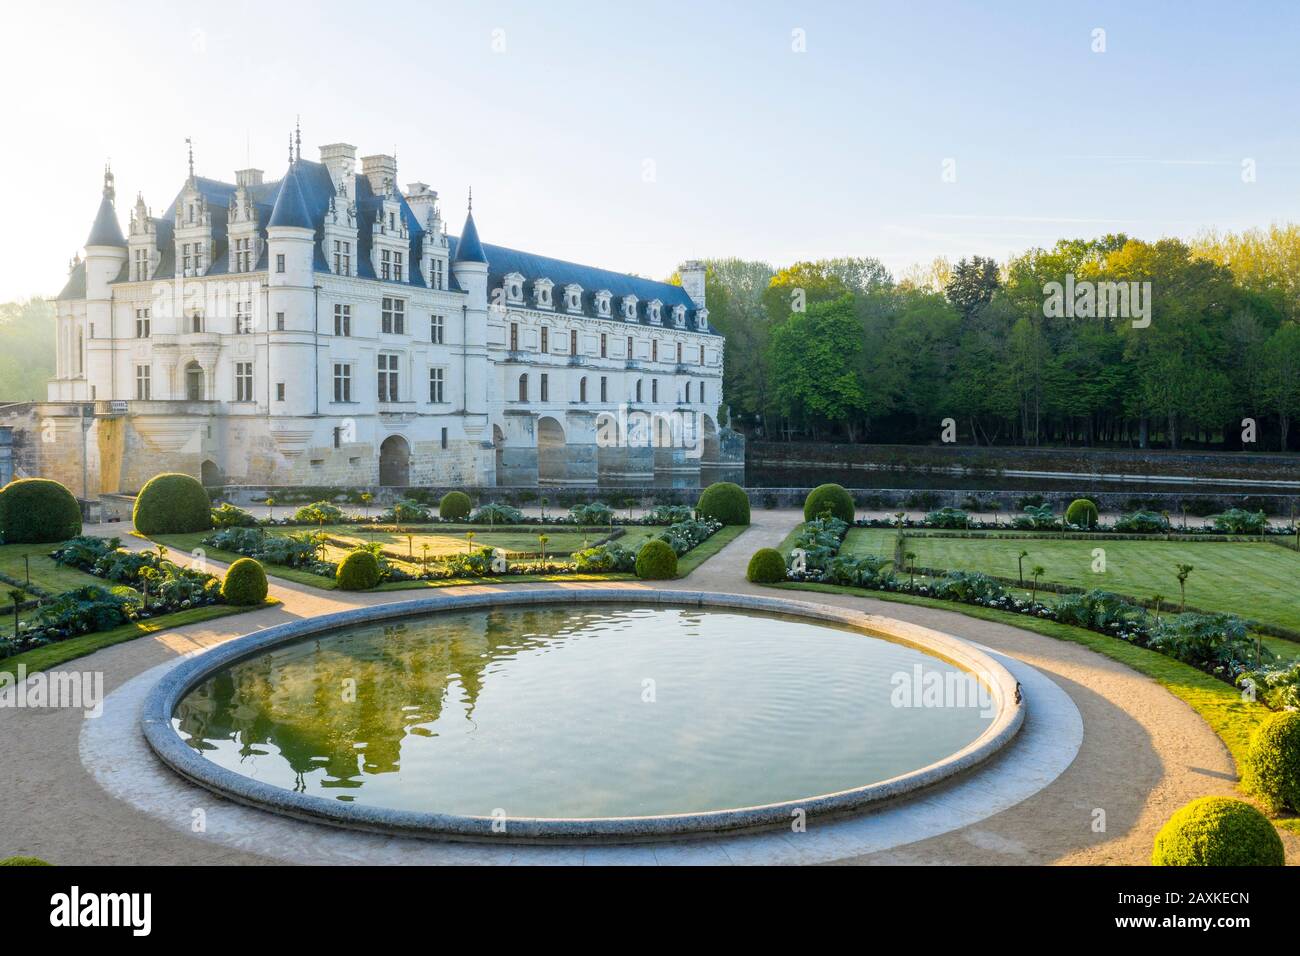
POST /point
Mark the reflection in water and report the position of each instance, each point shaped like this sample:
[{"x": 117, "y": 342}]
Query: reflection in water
[{"x": 554, "y": 711}]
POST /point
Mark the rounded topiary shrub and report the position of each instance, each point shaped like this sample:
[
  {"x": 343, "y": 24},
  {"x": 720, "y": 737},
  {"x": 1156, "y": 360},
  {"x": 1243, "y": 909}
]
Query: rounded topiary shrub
[
  {"x": 766, "y": 566},
  {"x": 245, "y": 583},
  {"x": 1272, "y": 766},
  {"x": 832, "y": 498},
  {"x": 1218, "y": 831},
  {"x": 1082, "y": 513},
  {"x": 656, "y": 561},
  {"x": 172, "y": 504},
  {"x": 37, "y": 510},
  {"x": 359, "y": 571},
  {"x": 23, "y": 861},
  {"x": 455, "y": 506},
  {"x": 724, "y": 501}
]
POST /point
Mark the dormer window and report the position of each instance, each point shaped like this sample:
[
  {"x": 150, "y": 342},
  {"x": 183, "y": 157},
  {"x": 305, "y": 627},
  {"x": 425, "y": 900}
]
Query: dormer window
[
  {"x": 654, "y": 307},
  {"x": 602, "y": 302},
  {"x": 542, "y": 293},
  {"x": 629, "y": 308},
  {"x": 702, "y": 319},
  {"x": 679, "y": 316},
  {"x": 573, "y": 297},
  {"x": 514, "y": 286}
]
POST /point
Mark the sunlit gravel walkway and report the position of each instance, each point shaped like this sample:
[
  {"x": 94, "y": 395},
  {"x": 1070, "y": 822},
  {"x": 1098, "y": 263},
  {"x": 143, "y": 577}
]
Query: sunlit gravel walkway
[{"x": 1144, "y": 752}]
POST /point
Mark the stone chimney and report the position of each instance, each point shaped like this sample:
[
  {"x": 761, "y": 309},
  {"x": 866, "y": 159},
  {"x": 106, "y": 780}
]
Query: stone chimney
[
  {"x": 341, "y": 161},
  {"x": 692, "y": 275},
  {"x": 248, "y": 177},
  {"x": 379, "y": 169}
]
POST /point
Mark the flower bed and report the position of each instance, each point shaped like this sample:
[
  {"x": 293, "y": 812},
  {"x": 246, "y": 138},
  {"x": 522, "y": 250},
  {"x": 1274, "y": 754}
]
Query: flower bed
[{"x": 1234, "y": 522}]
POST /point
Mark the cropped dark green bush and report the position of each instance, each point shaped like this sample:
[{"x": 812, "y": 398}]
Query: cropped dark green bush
[
  {"x": 1142, "y": 522},
  {"x": 37, "y": 510},
  {"x": 1218, "y": 831},
  {"x": 947, "y": 518},
  {"x": 406, "y": 510},
  {"x": 1272, "y": 767},
  {"x": 724, "y": 501},
  {"x": 592, "y": 513},
  {"x": 494, "y": 514},
  {"x": 245, "y": 583},
  {"x": 1240, "y": 521},
  {"x": 359, "y": 571},
  {"x": 455, "y": 506},
  {"x": 766, "y": 567},
  {"x": 23, "y": 861},
  {"x": 172, "y": 504},
  {"x": 1082, "y": 513},
  {"x": 829, "y": 498},
  {"x": 656, "y": 561}
]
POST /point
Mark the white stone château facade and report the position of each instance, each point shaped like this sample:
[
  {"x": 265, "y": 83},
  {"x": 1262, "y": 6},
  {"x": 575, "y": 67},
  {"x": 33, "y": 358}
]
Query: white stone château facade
[{"x": 323, "y": 329}]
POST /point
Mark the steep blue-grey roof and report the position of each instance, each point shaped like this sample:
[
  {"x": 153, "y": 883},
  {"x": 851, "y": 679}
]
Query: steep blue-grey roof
[
  {"x": 469, "y": 249},
  {"x": 75, "y": 288},
  {"x": 290, "y": 205},
  {"x": 106, "y": 231}
]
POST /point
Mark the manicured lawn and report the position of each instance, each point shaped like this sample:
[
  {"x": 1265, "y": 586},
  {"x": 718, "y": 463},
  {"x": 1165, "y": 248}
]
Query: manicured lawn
[
  {"x": 45, "y": 573},
  {"x": 1255, "y": 580},
  {"x": 52, "y": 655}
]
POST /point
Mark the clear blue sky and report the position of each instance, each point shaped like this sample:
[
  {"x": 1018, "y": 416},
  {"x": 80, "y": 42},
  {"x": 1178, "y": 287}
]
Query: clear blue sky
[{"x": 758, "y": 151}]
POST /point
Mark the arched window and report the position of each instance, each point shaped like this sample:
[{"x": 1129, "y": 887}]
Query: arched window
[
  {"x": 638, "y": 390},
  {"x": 688, "y": 393},
  {"x": 654, "y": 390},
  {"x": 582, "y": 390},
  {"x": 523, "y": 387}
]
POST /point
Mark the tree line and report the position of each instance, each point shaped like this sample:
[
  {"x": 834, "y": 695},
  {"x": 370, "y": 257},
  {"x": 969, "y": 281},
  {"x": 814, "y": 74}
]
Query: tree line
[{"x": 839, "y": 349}]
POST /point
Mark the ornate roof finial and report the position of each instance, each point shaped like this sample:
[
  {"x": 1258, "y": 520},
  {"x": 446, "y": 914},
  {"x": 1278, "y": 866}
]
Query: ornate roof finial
[
  {"x": 291, "y": 149},
  {"x": 189, "y": 144},
  {"x": 109, "y": 191},
  {"x": 471, "y": 198},
  {"x": 297, "y": 136}
]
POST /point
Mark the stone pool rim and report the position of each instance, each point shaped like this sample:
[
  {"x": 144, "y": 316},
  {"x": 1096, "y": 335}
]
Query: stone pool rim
[{"x": 167, "y": 744}]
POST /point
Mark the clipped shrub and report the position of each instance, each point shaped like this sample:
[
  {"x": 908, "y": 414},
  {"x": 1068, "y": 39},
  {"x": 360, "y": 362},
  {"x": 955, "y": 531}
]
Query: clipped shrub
[
  {"x": 947, "y": 518},
  {"x": 24, "y": 861},
  {"x": 1142, "y": 522},
  {"x": 455, "y": 506},
  {"x": 766, "y": 567},
  {"x": 319, "y": 512},
  {"x": 245, "y": 583},
  {"x": 592, "y": 513},
  {"x": 656, "y": 560},
  {"x": 37, "y": 510},
  {"x": 1218, "y": 831},
  {"x": 1272, "y": 767},
  {"x": 228, "y": 516},
  {"x": 1240, "y": 521},
  {"x": 493, "y": 513},
  {"x": 1082, "y": 513},
  {"x": 405, "y": 511},
  {"x": 724, "y": 501},
  {"x": 172, "y": 504},
  {"x": 829, "y": 498},
  {"x": 359, "y": 571}
]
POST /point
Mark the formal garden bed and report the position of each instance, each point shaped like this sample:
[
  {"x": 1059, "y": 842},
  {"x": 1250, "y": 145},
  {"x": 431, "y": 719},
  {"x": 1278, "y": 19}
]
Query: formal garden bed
[{"x": 417, "y": 545}]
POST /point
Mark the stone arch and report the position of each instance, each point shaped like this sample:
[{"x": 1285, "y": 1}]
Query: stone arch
[
  {"x": 550, "y": 450},
  {"x": 210, "y": 474},
  {"x": 395, "y": 462}
]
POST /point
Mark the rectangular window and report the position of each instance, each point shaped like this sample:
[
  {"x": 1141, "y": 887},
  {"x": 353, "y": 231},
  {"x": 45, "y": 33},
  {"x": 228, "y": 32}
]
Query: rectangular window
[
  {"x": 701, "y": 393},
  {"x": 514, "y": 336},
  {"x": 243, "y": 381},
  {"x": 141, "y": 264},
  {"x": 279, "y": 321},
  {"x": 679, "y": 353},
  {"x": 399, "y": 269},
  {"x": 604, "y": 345},
  {"x": 435, "y": 385},
  {"x": 142, "y": 383},
  {"x": 279, "y": 391},
  {"x": 545, "y": 388},
  {"x": 342, "y": 258},
  {"x": 243, "y": 255},
  {"x": 444, "y": 438},
  {"x": 243, "y": 318},
  {"x": 437, "y": 273},
  {"x": 141, "y": 323},
  {"x": 654, "y": 390},
  {"x": 387, "y": 377},
  {"x": 342, "y": 319},
  {"x": 654, "y": 350},
  {"x": 546, "y": 339},
  {"x": 629, "y": 346},
  {"x": 573, "y": 342},
  {"x": 701, "y": 354},
  {"x": 604, "y": 389},
  {"x": 436, "y": 323},
  {"x": 582, "y": 390},
  {"x": 342, "y": 382},
  {"x": 185, "y": 257},
  {"x": 385, "y": 264},
  {"x": 279, "y": 262},
  {"x": 392, "y": 316}
]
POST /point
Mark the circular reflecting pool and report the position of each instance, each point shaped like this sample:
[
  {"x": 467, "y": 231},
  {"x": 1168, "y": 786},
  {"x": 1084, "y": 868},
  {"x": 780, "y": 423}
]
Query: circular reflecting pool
[{"x": 581, "y": 711}]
